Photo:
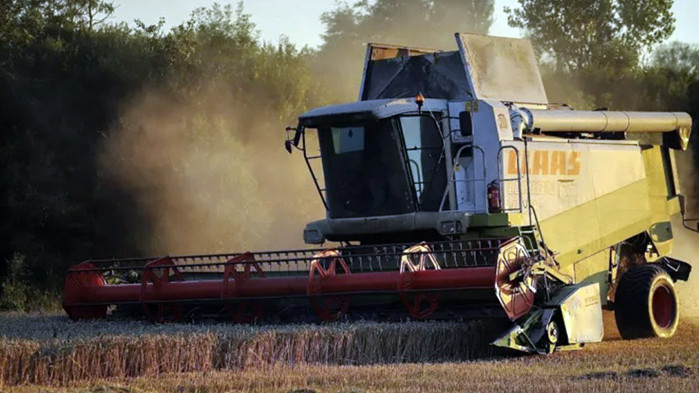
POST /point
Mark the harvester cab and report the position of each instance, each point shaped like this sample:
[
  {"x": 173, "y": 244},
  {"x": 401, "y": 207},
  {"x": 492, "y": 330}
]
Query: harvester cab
[{"x": 455, "y": 190}]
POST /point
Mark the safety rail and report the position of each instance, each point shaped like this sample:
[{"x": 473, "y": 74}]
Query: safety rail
[
  {"x": 308, "y": 159},
  {"x": 502, "y": 180}
]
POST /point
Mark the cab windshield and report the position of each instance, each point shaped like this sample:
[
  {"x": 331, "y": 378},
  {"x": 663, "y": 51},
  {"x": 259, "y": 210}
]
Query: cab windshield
[{"x": 391, "y": 166}]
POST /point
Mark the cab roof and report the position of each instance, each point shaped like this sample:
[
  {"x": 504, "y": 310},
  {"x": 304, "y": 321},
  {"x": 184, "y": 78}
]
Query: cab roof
[{"x": 371, "y": 110}]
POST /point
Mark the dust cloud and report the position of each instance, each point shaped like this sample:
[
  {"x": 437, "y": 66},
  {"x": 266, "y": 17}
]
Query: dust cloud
[
  {"x": 210, "y": 174},
  {"x": 686, "y": 248},
  {"x": 686, "y": 245}
]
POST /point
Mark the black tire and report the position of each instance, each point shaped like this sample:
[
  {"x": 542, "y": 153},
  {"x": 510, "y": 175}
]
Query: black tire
[{"x": 646, "y": 303}]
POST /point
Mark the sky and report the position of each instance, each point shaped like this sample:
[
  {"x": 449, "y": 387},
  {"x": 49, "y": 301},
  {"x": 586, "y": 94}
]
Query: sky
[{"x": 300, "y": 19}]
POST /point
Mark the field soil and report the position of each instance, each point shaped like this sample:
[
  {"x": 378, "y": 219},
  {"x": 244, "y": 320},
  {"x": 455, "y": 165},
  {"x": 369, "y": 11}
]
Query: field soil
[{"x": 403, "y": 365}]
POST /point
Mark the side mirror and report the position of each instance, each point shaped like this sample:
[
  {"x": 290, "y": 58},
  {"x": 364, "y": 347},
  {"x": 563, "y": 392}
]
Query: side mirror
[
  {"x": 292, "y": 142},
  {"x": 466, "y": 124}
]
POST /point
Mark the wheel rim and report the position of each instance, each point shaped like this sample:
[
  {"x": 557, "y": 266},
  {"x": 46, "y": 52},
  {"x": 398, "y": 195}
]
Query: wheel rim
[
  {"x": 663, "y": 306},
  {"x": 552, "y": 332}
]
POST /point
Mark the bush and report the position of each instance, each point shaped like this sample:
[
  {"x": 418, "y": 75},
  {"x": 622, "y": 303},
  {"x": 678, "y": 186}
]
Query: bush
[{"x": 17, "y": 293}]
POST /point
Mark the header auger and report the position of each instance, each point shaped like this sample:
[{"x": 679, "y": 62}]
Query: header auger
[{"x": 478, "y": 198}]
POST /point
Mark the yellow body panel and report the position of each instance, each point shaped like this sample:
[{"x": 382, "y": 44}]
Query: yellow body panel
[{"x": 591, "y": 195}]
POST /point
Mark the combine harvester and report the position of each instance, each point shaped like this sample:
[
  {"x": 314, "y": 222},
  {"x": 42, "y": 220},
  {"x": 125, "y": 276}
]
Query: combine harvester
[{"x": 476, "y": 199}]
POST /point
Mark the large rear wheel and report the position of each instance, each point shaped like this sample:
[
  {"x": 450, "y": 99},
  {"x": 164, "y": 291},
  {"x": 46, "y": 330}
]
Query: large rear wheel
[{"x": 646, "y": 303}]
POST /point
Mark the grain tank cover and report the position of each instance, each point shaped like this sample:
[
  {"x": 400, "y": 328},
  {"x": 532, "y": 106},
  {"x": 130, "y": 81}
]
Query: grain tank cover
[
  {"x": 397, "y": 72},
  {"x": 502, "y": 69},
  {"x": 483, "y": 67}
]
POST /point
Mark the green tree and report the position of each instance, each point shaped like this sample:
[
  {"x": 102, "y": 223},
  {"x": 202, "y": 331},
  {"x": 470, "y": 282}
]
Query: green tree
[
  {"x": 672, "y": 78},
  {"x": 409, "y": 22},
  {"x": 671, "y": 83},
  {"x": 577, "y": 34},
  {"x": 591, "y": 50}
]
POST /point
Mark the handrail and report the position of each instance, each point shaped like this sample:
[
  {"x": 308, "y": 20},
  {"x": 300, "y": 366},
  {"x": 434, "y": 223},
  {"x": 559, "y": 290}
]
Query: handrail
[
  {"x": 310, "y": 169},
  {"x": 502, "y": 179},
  {"x": 419, "y": 177}
]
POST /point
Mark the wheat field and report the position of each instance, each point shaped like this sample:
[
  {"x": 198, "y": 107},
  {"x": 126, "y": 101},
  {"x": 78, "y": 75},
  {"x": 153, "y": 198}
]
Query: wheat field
[
  {"x": 52, "y": 350},
  {"x": 51, "y": 354}
]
